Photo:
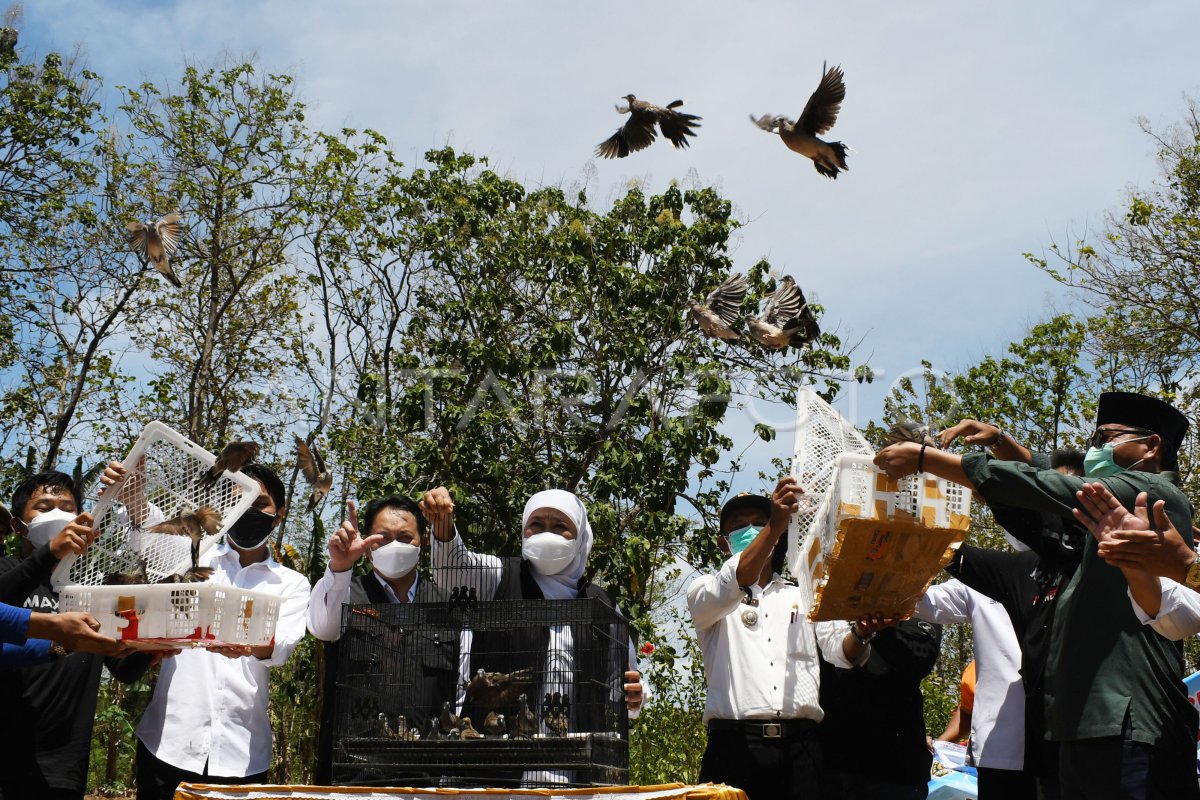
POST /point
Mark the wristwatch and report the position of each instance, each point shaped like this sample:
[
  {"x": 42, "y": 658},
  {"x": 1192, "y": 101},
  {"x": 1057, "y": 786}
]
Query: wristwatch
[
  {"x": 864, "y": 641},
  {"x": 1193, "y": 574},
  {"x": 57, "y": 651},
  {"x": 999, "y": 436}
]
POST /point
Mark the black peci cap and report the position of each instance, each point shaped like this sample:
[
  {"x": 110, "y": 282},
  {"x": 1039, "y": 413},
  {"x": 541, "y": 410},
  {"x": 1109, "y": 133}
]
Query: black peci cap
[
  {"x": 744, "y": 500},
  {"x": 1143, "y": 411}
]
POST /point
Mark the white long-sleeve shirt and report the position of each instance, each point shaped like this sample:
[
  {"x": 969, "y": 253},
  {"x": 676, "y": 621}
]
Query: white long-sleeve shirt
[
  {"x": 1178, "y": 616},
  {"x": 331, "y": 591},
  {"x": 998, "y": 720},
  {"x": 208, "y": 708},
  {"x": 768, "y": 669}
]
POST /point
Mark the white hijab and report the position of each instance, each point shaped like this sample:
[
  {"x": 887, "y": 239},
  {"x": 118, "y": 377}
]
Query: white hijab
[{"x": 564, "y": 585}]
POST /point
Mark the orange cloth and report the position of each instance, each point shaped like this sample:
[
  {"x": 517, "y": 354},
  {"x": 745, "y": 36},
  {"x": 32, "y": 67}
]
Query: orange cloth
[{"x": 966, "y": 689}]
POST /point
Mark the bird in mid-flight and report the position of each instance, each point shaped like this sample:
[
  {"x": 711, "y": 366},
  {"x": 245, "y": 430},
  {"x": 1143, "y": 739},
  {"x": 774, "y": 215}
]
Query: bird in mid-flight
[
  {"x": 235, "y": 456},
  {"x": 819, "y": 116},
  {"x": 204, "y": 521},
  {"x": 157, "y": 242},
  {"x": 638, "y": 131},
  {"x": 318, "y": 476},
  {"x": 786, "y": 320},
  {"x": 720, "y": 310}
]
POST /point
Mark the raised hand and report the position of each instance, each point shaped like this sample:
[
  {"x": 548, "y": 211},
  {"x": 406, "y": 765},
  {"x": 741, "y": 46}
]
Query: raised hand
[
  {"x": 898, "y": 460},
  {"x": 438, "y": 508},
  {"x": 75, "y": 538},
  {"x": 972, "y": 431},
  {"x": 1131, "y": 541},
  {"x": 346, "y": 546}
]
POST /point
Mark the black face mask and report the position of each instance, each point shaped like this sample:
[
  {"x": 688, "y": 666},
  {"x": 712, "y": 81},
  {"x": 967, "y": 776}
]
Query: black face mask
[{"x": 251, "y": 530}]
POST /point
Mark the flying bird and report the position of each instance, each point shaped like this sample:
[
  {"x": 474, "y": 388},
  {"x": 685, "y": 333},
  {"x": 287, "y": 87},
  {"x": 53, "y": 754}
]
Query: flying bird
[
  {"x": 468, "y": 731},
  {"x": 526, "y": 724},
  {"x": 493, "y": 724},
  {"x": 819, "y": 115},
  {"x": 720, "y": 310},
  {"x": 786, "y": 320},
  {"x": 638, "y": 131},
  {"x": 908, "y": 431},
  {"x": 496, "y": 689},
  {"x": 235, "y": 456},
  {"x": 204, "y": 521},
  {"x": 319, "y": 477},
  {"x": 156, "y": 243}
]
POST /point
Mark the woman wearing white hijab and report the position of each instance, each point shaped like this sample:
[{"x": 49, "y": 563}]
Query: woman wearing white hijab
[{"x": 557, "y": 540}]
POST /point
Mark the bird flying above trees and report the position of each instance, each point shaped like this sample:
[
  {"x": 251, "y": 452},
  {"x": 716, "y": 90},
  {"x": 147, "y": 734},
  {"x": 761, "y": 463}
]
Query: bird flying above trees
[
  {"x": 235, "y": 456},
  {"x": 720, "y": 310},
  {"x": 786, "y": 320},
  {"x": 638, "y": 131},
  {"x": 819, "y": 116},
  {"x": 318, "y": 476},
  {"x": 156, "y": 243}
]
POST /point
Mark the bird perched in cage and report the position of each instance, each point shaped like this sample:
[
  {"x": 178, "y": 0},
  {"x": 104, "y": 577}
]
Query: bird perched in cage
[
  {"x": 819, "y": 115},
  {"x": 383, "y": 728},
  {"x": 448, "y": 721},
  {"x": 720, "y": 310},
  {"x": 156, "y": 243},
  {"x": 908, "y": 431},
  {"x": 132, "y": 578},
  {"x": 496, "y": 689},
  {"x": 555, "y": 712},
  {"x": 786, "y": 320},
  {"x": 204, "y": 521},
  {"x": 433, "y": 730},
  {"x": 526, "y": 724},
  {"x": 468, "y": 731},
  {"x": 318, "y": 476},
  {"x": 638, "y": 131},
  {"x": 493, "y": 724},
  {"x": 235, "y": 456}
]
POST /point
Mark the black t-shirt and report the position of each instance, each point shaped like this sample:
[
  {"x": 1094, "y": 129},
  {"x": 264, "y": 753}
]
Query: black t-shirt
[
  {"x": 48, "y": 709},
  {"x": 874, "y": 721}
]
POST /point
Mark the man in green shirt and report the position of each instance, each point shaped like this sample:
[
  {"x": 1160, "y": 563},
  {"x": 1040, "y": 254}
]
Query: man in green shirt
[{"x": 1114, "y": 694}]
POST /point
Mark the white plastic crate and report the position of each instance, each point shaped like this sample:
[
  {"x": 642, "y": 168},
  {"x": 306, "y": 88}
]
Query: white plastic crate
[
  {"x": 178, "y": 614},
  {"x": 880, "y": 542},
  {"x": 166, "y": 468}
]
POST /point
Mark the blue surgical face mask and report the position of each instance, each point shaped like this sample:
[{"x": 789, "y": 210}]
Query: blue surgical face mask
[
  {"x": 740, "y": 539},
  {"x": 1100, "y": 463}
]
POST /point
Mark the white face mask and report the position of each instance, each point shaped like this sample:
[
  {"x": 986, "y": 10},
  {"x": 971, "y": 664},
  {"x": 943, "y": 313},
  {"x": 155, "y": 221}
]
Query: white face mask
[
  {"x": 549, "y": 553},
  {"x": 48, "y": 524},
  {"x": 395, "y": 559}
]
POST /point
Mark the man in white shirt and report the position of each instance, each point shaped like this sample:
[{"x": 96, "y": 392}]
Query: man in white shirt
[
  {"x": 395, "y": 532},
  {"x": 207, "y": 721},
  {"x": 997, "y": 745},
  {"x": 760, "y": 656}
]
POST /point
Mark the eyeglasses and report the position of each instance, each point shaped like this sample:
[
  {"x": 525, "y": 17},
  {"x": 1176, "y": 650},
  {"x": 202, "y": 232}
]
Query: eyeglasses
[{"x": 1103, "y": 436}]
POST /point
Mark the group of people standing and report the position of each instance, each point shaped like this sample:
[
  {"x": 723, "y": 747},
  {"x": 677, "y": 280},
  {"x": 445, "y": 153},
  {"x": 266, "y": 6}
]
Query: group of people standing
[{"x": 1081, "y": 624}]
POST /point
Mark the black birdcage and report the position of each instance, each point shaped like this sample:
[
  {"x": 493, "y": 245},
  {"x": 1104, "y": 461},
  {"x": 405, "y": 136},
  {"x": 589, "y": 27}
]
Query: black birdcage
[{"x": 513, "y": 693}]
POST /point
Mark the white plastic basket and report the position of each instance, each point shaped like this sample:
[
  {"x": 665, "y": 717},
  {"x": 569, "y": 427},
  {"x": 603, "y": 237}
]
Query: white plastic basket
[
  {"x": 165, "y": 467},
  {"x": 880, "y": 542},
  {"x": 178, "y": 614}
]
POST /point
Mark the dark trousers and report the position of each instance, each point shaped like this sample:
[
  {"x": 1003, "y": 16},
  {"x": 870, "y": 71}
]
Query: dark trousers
[
  {"x": 12, "y": 792},
  {"x": 1119, "y": 768},
  {"x": 788, "y": 768},
  {"x": 156, "y": 780},
  {"x": 861, "y": 787},
  {"x": 1006, "y": 784}
]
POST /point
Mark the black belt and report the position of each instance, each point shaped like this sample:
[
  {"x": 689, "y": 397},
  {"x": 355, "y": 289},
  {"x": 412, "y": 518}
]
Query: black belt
[{"x": 783, "y": 729}]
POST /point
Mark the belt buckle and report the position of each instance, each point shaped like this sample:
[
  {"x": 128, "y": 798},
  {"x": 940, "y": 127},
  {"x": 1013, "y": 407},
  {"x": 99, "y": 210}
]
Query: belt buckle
[{"x": 772, "y": 730}]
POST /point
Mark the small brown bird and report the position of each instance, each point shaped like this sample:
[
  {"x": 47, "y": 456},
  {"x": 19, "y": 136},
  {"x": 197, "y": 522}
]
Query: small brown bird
[
  {"x": 384, "y": 729},
  {"x": 193, "y": 575},
  {"x": 204, "y": 521},
  {"x": 526, "y": 724},
  {"x": 448, "y": 721},
  {"x": 908, "y": 431},
  {"x": 467, "y": 731},
  {"x": 132, "y": 578},
  {"x": 156, "y": 243},
  {"x": 819, "y": 115},
  {"x": 786, "y": 320},
  {"x": 493, "y": 724},
  {"x": 720, "y": 310},
  {"x": 638, "y": 132},
  {"x": 556, "y": 712},
  {"x": 497, "y": 689},
  {"x": 235, "y": 456},
  {"x": 319, "y": 477}
]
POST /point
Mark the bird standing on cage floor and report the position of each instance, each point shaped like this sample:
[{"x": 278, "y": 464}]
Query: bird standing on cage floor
[
  {"x": 722, "y": 307},
  {"x": 448, "y": 721},
  {"x": 786, "y": 320},
  {"x": 525, "y": 725},
  {"x": 497, "y": 689},
  {"x": 638, "y": 131},
  {"x": 235, "y": 456},
  {"x": 468, "y": 731},
  {"x": 819, "y": 115},
  {"x": 383, "y": 728},
  {"x": 494, "y": 725},
  {"x": 156, "y": 243},
  {"x": 555, "y": 712},
  {"x": 318, "y": 476}
]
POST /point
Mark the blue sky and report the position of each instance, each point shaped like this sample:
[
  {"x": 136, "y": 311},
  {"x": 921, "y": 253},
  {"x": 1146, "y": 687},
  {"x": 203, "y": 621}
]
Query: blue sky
[{"x": 980, "y": 131}]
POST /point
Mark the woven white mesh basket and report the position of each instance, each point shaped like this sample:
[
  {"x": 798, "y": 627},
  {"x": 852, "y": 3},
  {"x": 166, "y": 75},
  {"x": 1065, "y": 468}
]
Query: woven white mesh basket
[{"x": 165, "y": 468}]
